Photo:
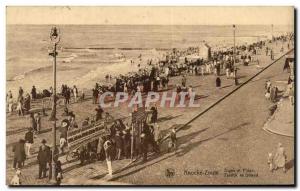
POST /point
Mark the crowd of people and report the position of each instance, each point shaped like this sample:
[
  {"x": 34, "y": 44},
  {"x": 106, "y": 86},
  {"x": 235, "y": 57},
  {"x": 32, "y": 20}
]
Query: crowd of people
[{"x": 122, "y": 140}]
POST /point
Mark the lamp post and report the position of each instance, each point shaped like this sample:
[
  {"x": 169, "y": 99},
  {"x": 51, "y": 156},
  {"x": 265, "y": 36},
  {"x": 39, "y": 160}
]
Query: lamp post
[
  {"x": 234, "y": 53},
  {"x": 54, "y": 39},
  {"x": 272, "y": 31},
  {"x": 234, "y": 50}
]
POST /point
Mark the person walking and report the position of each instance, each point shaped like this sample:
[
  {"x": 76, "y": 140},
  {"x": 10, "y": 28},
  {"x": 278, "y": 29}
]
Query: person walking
[
  {"x": 108, "y": 154},
  {"x": 19, "y": 154},
  {"x": 28, "y": 141},
  {"x": 43, "y": 157}
]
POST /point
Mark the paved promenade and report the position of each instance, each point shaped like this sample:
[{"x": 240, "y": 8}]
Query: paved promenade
[{"x": 229, "y": 135}]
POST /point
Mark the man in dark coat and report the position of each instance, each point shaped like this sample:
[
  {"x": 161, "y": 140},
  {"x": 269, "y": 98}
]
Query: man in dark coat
[
  {"x": 144, "y": 146},
  {"x": 154, "y": 114},
  {"x": 19, "y": 154},
  {"x": 127, "y": 143},
  {"x": 99, "y": 112},
  {"x": 218, "y": 82},
  {"x": 28, "y": 140},
  {"x": 33, "y": 92},
  {"x": 119, "y": 145},
  {"x": 44, "y": 156}
]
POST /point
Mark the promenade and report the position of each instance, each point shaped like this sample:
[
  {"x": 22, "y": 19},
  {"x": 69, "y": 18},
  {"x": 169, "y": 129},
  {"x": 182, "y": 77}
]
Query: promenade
[{"x": 229, "y": 135}]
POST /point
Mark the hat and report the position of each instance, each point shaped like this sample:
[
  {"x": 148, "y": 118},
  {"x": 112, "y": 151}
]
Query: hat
[
  {"x": 44, "y": 141},
  {"x": 18, "y": 171},
  {"x": 64, "y": 123}
]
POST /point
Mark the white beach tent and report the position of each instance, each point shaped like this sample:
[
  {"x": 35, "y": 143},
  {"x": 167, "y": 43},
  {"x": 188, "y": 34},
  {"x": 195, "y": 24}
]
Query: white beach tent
[{"x": 204, "y": 51}]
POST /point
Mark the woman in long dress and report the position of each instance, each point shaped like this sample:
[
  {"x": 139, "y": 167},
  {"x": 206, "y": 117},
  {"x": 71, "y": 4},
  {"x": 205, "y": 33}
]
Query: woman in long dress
[{"x": 280, "y": 158}]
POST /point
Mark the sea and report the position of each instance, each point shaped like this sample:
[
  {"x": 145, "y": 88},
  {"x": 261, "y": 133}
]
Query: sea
[{"x": 86, "y": 53}]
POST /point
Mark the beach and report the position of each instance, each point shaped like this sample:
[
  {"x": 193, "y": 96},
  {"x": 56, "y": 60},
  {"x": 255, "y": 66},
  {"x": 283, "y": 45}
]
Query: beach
[{"x": 87, "y": 53}]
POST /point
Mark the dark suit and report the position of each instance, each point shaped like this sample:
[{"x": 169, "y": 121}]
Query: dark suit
[
  {"x": 44, "y": 156},
  {"x": 29, "y": 137},
  {"x": 19, "y": 156}
]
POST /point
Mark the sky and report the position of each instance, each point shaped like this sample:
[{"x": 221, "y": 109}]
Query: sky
[{"x": 150, "y": 15}]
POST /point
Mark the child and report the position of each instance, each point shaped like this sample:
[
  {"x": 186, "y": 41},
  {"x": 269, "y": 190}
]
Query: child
[
  {"x": 16, "y": 179},
  {"x": 271, "y": 162}
]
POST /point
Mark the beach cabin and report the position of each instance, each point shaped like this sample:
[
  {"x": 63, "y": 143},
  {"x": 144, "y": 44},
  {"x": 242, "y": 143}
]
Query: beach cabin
[{"x": 204, "y": 51}]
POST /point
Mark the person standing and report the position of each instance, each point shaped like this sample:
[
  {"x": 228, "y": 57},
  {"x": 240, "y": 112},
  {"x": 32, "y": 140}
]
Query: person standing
[
  {"x": 28, "y": 141},
  {"x": 19, "y": 154},
  {"x": 236, "y": 82},
  {"x": 21, "y": 91},
  {"x": 37, "y": 119},
  {"x": 127, "y": 142},
  {"x": 108, "y": 154},
  {"x": 154, "y": 114},
  {"x": 119, "y": 145},
  {"x": 33, "y": 122},
  {"x": 33, "y": 93},
  {"x": 75, "y": 92},
  {"x": 43, "y": 158},
  {"x": 20, "y": 106},
  {"x": 183, "y": 80},
  {"x": 10, "y": 103},
  {"x": 173, "y": 140},
  {"x": 218, "y": 82},
  {"x": 280, "y": 158},
  {"x": 58, "y": 172},
  {"x": 100, "y": 149},
  {"x": 272, "y": 54},
  {"x": 99, "y": 112},
  {"x": 144, "y": 146}
]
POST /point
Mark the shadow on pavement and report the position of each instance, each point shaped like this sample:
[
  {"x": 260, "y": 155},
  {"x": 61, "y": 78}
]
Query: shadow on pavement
[
  {"x": 289, "y": 164},
  {"x": 185, "y": 149},
  {"x": 167, "y": 118}
]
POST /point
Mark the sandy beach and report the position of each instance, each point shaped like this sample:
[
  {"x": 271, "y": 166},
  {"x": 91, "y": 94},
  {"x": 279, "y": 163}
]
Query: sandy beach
[{"x": 87, "y": 55}]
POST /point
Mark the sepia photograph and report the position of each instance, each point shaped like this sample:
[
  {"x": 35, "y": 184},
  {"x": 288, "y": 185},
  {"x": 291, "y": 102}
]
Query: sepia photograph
[{"x": 150, "y": 95}]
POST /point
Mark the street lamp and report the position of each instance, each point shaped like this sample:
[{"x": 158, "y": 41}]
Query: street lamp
[
  {"x": 234, "y": 51},
  {"x": 272, "y": 31},
  {"x": 54, "y": 40}
]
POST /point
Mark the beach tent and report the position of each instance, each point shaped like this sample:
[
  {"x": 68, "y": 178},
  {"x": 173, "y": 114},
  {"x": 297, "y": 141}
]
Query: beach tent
[{"x": 204, "y": 51}]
